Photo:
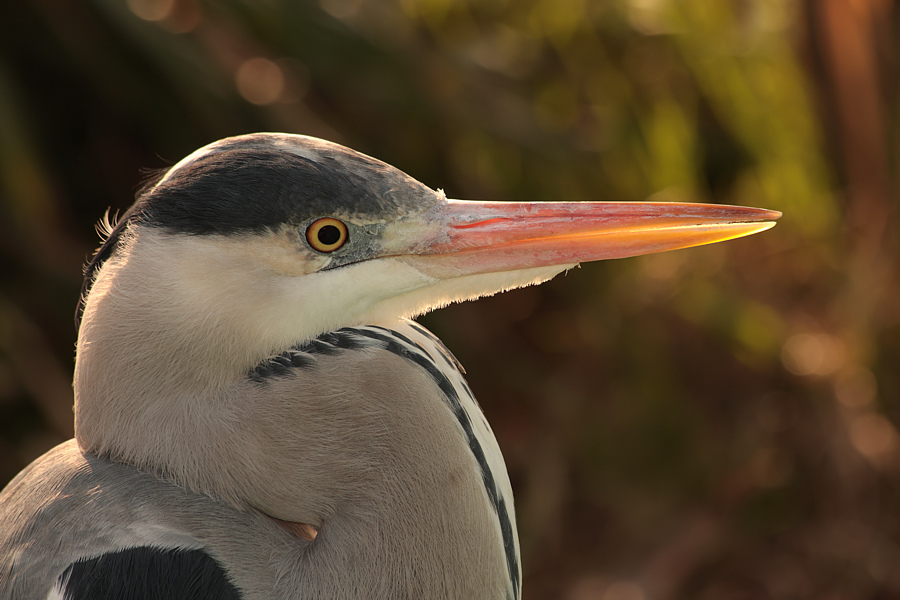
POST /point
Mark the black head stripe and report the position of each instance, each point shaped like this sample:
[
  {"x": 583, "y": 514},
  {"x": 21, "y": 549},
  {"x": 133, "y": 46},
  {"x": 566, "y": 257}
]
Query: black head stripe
[{"x": 254, "y": 183}]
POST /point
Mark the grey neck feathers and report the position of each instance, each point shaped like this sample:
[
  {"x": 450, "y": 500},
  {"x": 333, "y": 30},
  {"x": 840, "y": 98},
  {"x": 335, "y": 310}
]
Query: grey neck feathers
[{"x": 361, "y": 445}]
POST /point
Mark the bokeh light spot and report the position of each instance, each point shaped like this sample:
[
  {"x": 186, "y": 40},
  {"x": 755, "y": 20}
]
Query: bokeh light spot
[
  {"x": 812, "y": 354},
  {"x": 856, "y": 387},
  {"x": 873, "y": 436},
  {"x": 650, "y": 17},
  {"x": 151, "y": 10},
  {"x": 260, "y": 81},
  {"x": 587, "y": 588}
]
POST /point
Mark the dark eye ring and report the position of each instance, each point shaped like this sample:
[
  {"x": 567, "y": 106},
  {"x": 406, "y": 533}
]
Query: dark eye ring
[{"x": 327, "y": 234}]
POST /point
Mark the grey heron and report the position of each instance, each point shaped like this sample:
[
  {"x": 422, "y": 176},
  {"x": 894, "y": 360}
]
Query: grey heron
[{"x": 256, "y": 414}]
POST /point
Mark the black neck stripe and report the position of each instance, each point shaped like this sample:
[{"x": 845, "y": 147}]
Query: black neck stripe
[{"x": 350, "y": 338}]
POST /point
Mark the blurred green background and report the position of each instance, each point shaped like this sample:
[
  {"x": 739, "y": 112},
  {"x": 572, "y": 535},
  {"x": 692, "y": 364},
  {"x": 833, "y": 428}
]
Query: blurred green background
[{"x": 713, "y": 423}]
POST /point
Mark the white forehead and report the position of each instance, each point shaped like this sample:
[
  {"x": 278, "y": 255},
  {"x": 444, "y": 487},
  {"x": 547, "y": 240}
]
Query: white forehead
[{"x": 300, "y": 145}]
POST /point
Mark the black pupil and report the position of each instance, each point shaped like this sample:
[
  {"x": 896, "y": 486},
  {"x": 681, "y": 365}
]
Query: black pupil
[{"x": 329, "y": 235}]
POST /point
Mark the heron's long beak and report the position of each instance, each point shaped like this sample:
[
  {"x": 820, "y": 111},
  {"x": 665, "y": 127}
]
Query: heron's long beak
[{"x": 486, "y": 237}]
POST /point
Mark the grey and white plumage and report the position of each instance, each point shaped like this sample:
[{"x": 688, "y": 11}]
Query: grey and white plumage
[
  {"x": 253, "y": 409},
  {"x": 113, "y": 506}
]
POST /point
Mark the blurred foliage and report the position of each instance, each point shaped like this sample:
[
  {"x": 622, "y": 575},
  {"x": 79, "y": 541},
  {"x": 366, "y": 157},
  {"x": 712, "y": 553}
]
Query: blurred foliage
[{"x": 718, "y": 422}]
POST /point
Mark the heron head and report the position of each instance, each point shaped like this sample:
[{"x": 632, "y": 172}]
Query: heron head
[{"x": 288, "y": 236}]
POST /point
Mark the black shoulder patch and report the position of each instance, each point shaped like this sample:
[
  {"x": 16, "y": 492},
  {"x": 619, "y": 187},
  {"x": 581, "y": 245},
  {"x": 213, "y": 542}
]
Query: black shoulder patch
[{"x": 144, "y": 573}]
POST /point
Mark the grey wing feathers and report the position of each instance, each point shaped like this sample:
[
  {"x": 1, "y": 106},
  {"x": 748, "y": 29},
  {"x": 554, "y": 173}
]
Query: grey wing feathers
[{"x": 79, "y": 525}]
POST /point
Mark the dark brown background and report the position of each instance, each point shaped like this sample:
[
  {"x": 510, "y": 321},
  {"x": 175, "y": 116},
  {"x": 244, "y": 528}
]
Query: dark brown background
[{"x": 712, "y": 423}]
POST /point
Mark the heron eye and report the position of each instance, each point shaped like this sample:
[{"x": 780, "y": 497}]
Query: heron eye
[{"x": 326, "y": 234}]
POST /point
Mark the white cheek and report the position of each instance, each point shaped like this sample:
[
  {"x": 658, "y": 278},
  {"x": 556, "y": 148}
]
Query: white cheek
[
  {"x": 381, "y": 291},
  {"x": 346, "y": 296},
  {"x": 459, "y": 289}
]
